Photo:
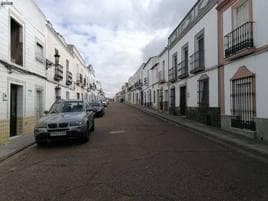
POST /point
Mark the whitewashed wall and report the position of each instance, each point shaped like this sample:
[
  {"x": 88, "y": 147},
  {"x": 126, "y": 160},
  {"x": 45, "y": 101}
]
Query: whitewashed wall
[
  {"x": 209, "y": 24},
  {"x": 33, "y": 24}
]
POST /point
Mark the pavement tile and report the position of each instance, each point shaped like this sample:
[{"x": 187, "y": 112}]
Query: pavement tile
[{"x": 15, "y": 145}]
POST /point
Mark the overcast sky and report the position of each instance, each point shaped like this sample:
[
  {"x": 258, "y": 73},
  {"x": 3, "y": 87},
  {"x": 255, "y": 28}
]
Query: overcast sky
[{"x": 115, "y": 36}]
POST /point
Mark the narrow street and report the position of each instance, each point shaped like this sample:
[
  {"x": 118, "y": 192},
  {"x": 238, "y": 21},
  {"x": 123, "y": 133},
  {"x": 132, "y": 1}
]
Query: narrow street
[{"x": 134, "y": 157}]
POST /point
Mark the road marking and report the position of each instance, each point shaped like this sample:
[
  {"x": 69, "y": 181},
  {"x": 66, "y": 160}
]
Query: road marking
[{"x": 117, "y": 132}]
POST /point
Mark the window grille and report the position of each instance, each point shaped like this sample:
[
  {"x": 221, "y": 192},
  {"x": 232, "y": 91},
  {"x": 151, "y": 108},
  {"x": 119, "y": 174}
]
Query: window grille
[
  {"x": 243, "y": 103},
  {"x": 203, "y": 93}
]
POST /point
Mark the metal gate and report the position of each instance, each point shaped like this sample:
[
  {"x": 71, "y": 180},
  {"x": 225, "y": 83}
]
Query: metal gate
[{"x": 243, "y": 103}]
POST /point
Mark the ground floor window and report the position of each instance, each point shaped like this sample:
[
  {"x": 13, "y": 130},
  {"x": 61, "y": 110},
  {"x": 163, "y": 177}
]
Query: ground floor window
[
  {"x": 243, "y": 103},
  {"x": 203, "y": 92}
]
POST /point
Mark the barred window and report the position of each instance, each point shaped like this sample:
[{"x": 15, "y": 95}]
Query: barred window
[
  {"x": 203, "y": 93},
  {"x": 243, "y": 103}
]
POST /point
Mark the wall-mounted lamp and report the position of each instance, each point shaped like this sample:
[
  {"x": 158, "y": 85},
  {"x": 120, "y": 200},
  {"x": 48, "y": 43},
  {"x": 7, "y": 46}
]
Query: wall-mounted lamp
[{"x": 57, "y": 58}]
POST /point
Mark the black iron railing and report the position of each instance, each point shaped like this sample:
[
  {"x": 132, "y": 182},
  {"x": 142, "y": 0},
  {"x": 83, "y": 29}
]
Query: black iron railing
[
  {"x": 79, "y": 79},
  {"x": 58, "y": 73},
  {"x": 161, "y": 77},
  {"x": 183, "y": 69},
  {"x": 69, "y": 78},
  {"x": 197, "y": 61},
  {"x": 239, "y": 39},
  {"x": 172, "y": 74}
]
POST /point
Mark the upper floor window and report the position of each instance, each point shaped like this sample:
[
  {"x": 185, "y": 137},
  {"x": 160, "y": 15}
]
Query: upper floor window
[
  {"x": 241, "y": 13},
  {"x": 203, "y": 92},
  {"x": 16, "y": 37},
  {"x": 67, "y": 65},
  {"x": 39, "y": 52},
  {"x": 174, "y": 60}
]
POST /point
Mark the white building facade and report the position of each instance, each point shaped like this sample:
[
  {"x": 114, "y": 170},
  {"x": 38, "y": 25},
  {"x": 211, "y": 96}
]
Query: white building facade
[
  {"x": 243, "y": 56},
  {"x": 37, "y": 67},
  {"x": 193, "y": 65},
  {"x": 22, "y": 67}
]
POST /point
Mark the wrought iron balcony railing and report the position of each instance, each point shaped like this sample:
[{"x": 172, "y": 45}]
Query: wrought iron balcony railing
[
  {"x": 79, "y": 79},
  {"x": 58, "y": 76},
  {"x": 183, "y": 69},
  {"x": 172, "y": 74},
  {"x": 239, "y": 39},
  {"x": 197, "y": 62},
  {"x": 69, "y": 78}
]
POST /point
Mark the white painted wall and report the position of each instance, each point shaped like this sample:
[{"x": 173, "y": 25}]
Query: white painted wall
[
  {"x": 258, "y": 65},
  {"x": 33, "y": 24},
  {"x": 209, "y": 24}
]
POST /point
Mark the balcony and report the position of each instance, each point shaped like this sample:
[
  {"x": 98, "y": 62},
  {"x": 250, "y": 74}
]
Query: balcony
[
  {"x": 84, "y": 84},
  {"x": 79, "y": 79},
  {"x": 138, "y": 85},
  {"x": 161, "y": 77},
  {"x": 183, "y": 69},
  {"x": 239, "y": 39},
  {"x": 58, "y": 73},
  {"x": 197, "y": 62},
  {"x": 146, "y": 81},
  {"x": 172, "y": 74},
  {"x": 69, "y": 78}
]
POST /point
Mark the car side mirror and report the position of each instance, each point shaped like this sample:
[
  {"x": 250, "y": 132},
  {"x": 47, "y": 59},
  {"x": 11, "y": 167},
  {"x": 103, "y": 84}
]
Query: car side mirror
[{"x": 46, "y": 112}]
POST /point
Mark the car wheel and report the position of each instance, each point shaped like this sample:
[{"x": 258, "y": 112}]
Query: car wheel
[
  {"x": 93, "y": 126},
  {"x": 86, "y": 138},
  {"x": 40, "y": 143}
]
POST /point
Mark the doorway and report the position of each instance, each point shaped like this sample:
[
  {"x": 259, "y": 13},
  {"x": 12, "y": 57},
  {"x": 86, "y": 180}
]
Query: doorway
[
  {"x": 183, "y": 100},
  {"x": 173, "y": 100},
  {"x": 13, "y": 109},
  {"x": 38, "y": 104}
]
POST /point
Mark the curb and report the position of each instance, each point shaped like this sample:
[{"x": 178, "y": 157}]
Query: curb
[
  {"x": 2, "y": 159},
  {"x": 231, "y": 142}
]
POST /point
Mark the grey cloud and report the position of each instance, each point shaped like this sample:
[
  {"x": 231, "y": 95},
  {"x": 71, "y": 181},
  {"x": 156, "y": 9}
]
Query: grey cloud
[{"x": 116, "y": 36}]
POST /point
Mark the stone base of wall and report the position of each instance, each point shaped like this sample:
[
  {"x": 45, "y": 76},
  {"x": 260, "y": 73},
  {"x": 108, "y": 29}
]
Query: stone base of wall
[
  {"x": 262, "y": 129},
  {"x": 4, "y": 131},
  {"x": 165, "y": 106},
  {"x": 25, "y": 125},
  {"x": 28, "y": 125},
  {"x": 209, "y": 116},
  {"x": 226, "y": 125}
]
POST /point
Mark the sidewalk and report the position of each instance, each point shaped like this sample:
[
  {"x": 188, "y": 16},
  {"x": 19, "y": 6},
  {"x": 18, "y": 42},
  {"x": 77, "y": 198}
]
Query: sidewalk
[
  {"x": 256, "y": 147},
  {"x": 15, "y": 145}
]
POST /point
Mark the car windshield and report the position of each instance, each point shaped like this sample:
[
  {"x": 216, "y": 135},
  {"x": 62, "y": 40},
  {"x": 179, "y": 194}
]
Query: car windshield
[
  {"x": 67, "y": 106},
  {"x": 95, "y": 104}
]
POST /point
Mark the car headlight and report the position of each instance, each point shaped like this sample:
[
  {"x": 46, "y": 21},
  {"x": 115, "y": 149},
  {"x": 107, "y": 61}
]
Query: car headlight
[
  {"x": 41, "y": 125},
  {"x": 76, "y": 123}
]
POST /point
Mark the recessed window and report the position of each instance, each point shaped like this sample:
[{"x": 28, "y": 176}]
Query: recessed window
[
  {"x": 39, "y": 52},
  {"x": 16, "y": 37},
  {"x": 241, "y": 13},
  {"x": 203, "y": 92}
]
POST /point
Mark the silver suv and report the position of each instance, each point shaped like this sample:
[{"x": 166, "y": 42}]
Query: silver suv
[{"x": 66, "y": 119}]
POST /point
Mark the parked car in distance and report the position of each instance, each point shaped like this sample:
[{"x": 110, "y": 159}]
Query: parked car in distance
[
  {"x": 97, "y": 107},
  {"x": 105, "y": 103},
  {"x": 66, "y": 119}
]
